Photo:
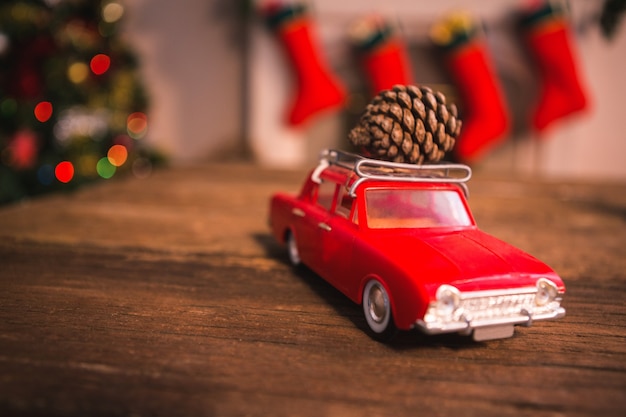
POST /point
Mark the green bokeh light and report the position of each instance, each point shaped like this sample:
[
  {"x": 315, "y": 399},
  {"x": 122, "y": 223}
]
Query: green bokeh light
[
  {"x": 104, "y": 168},
  {"x": 8, "y": 107}
]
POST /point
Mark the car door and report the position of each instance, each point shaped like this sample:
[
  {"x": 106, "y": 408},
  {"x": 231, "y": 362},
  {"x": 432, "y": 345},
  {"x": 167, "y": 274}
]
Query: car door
[
  {"x": 313, "y": 226},
  {"x": 337, "y": 240}
]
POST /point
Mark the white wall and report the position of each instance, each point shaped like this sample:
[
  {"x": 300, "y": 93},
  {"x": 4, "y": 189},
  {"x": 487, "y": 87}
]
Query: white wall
[
  {"x": 191, "y": 65},
  {"x": 595, "y": 145}
]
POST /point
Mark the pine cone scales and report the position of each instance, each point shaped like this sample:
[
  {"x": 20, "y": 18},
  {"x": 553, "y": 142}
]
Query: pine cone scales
[{"x": 407, "y": 124}]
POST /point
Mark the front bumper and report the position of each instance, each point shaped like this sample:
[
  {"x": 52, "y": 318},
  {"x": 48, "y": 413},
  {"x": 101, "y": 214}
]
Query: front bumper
[{"x": 482, "y": 309}]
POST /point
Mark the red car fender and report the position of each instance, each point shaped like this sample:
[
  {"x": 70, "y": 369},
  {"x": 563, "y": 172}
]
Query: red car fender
[
  {"x": 407, "y": 299},
  {"x": 370, "y": 277}
]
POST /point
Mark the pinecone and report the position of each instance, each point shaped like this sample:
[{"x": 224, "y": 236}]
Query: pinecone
[{"x": 407, "y": 124}]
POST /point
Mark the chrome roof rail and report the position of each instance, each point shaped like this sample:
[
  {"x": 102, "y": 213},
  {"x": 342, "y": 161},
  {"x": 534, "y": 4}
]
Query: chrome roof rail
[{"x": 375, "y": 169}]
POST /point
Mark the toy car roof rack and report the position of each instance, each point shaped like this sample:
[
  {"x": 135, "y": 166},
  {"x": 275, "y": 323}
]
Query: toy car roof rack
[{"x": 375, "y": 169}]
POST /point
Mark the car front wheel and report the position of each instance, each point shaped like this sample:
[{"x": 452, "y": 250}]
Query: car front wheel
[
  {"x": 292, "y": 250},
  {"x": 377, "y": 311}
]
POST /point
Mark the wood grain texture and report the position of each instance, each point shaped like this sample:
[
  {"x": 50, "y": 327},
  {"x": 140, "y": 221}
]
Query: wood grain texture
[{"x": 167, "y": 297}]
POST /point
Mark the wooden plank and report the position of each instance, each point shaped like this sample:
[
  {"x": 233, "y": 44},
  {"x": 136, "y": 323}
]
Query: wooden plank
[{"x": 168, "y": 297}]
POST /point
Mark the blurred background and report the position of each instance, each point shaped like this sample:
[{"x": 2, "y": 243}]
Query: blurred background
[{"x": 93, "y": 89}]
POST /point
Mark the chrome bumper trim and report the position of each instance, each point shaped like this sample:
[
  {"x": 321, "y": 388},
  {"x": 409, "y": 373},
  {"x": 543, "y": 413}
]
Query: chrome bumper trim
[{"x": 525, "y": 318}]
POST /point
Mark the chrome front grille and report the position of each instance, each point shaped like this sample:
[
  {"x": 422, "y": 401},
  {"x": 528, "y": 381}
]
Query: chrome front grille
[
  {"x": 488, "y": 306},
  {"x": 456, "y": 311}
]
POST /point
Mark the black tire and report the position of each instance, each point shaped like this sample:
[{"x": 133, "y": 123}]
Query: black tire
[
  {"x": 292, "y": 250},
  {"x": 377, "y": 311}
]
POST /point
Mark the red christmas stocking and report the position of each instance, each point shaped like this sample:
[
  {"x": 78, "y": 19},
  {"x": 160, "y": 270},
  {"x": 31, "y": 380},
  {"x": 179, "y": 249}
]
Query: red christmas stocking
[
  {"x": 548, "y": 38},
  {"x": 383, "y": 54},
  {"x": 485, "y": 116},
  {"x": 317, "y": 88}
]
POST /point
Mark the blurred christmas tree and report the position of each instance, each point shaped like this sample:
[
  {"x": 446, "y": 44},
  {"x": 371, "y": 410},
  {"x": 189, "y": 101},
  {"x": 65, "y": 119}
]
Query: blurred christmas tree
[{"x": 72, "y": 109}]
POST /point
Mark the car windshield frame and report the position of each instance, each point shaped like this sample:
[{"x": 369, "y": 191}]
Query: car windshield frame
[{"x": 415, "y": 208}]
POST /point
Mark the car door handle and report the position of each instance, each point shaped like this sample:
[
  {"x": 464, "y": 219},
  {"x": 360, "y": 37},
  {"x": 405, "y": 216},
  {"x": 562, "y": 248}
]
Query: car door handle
[
  {"x": 324, "y": 226},
  {"x": 297, "y": 212}
]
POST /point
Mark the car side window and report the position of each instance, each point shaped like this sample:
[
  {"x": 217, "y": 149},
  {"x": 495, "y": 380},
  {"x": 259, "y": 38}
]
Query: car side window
[
  {"x": 344, "y": 203},
  {"x": 325, "y": 194}
]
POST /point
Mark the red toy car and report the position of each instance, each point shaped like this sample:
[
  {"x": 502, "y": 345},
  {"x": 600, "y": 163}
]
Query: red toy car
[{"x": 400, "y": 240}]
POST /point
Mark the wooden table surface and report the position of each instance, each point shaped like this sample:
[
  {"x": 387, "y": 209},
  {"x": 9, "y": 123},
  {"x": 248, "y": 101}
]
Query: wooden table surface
[{"x": 167, "y": 297}]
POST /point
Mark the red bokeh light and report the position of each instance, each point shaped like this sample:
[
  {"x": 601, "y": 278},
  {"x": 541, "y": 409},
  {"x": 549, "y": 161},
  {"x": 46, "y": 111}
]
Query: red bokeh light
[
  {"x": 43, "y": 111},
  {"x": 22, "y": 150},
  {"x": 64, "y": 171},
  {"x": 100, "y": 64},
  {"x": 137, "y": 124},
  {"x": 125, "y": 140}
]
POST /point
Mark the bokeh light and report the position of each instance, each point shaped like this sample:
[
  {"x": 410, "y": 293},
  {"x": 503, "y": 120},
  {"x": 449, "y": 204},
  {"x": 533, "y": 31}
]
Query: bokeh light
[
  {"x": 43, "y": 111},
  {"x": 105, "y": 169},
  {"x": 8, "y": 107},
  {"x": 21, "y": 152},
  {"x": 142, "y": 167},
  {"x": 86, "y": 165},
  {"x": 81, "y": 122},
  {"x": 78, "y": 72},
  {"x": 125, "y": 140},
  {"x": 24, "y": 12},
  {"x": 137, "y": 125},
  {"x": 100, "y": 64},
  {"x": 117, "y": 155},
  {"x": 64, "y": 171},
  {"x": 112, "y": 12},
  {"x": 45, "y": 174}
]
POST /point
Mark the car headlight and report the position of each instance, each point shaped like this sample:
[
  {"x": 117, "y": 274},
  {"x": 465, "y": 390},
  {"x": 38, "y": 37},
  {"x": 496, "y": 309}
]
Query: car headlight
[
  {"x": 448, "y": 300},
  {"x": 546, "y": 292}
]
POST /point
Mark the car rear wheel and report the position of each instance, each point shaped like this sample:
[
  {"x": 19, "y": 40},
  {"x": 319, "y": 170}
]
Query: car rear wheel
[
  {"x": 292, "y": 250},
  {"x": 377, "y": 311}
]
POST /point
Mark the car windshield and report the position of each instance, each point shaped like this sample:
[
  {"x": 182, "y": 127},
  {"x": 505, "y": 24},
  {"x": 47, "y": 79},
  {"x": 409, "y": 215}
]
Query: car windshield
[{"x": 414, "y": 208}]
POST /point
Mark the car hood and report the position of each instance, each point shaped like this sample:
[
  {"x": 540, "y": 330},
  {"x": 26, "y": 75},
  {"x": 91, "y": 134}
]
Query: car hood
[{"x": 469, "y": 259}]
